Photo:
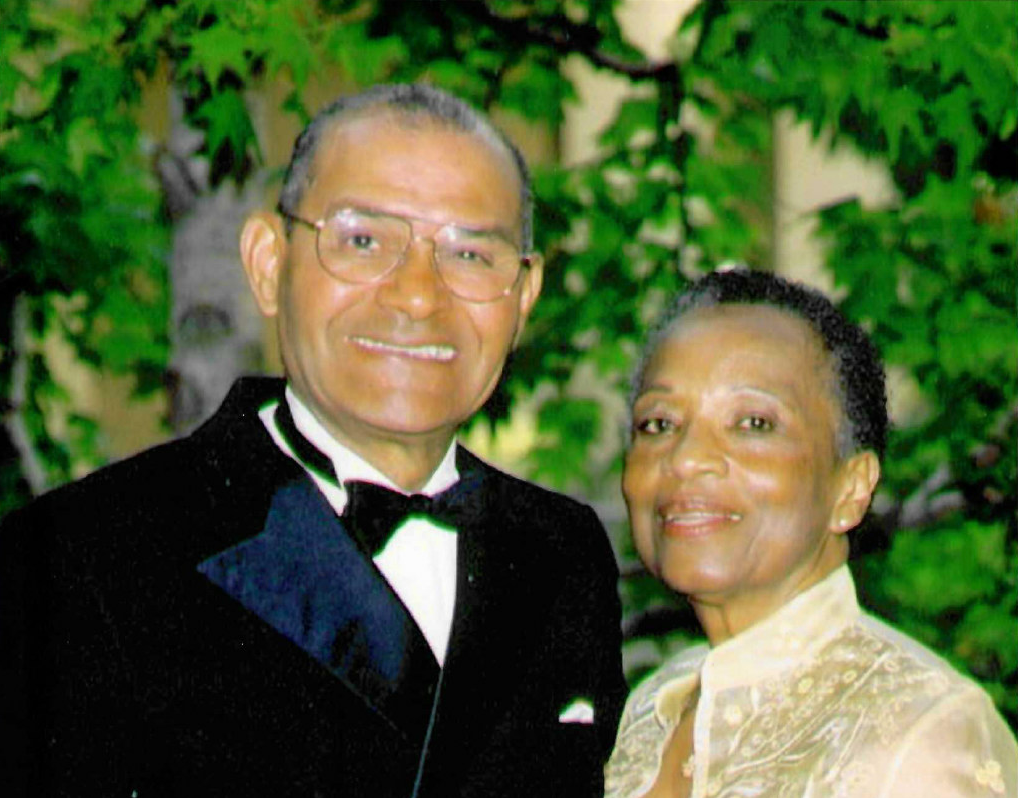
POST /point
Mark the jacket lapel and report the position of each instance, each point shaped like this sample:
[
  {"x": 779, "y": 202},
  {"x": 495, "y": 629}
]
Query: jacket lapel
[
  {"x": 290, "y": 563},
  {"x": 499, "y": 604}
]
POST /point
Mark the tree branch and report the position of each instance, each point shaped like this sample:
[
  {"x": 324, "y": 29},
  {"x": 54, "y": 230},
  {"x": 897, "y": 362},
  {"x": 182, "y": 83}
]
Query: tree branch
[
  {"x": 14, "y": 419},
  {"x": 878, "y": 33},
  {"x": 565, "y": 36}
]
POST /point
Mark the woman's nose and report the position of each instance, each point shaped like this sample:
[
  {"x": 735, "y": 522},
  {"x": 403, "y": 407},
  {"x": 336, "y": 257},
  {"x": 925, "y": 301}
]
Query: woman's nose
[{"x": 696, "y": 451}]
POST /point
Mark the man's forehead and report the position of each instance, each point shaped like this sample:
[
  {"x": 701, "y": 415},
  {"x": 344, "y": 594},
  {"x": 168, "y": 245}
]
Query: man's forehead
[
  {"x": 429, "y": 171},
  {"x": 412, "y": 123}
]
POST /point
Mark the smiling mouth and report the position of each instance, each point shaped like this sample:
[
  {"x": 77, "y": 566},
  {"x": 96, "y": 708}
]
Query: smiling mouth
[
  {"x": 693, "y": 523},
  {"x": 434, "y": 352}
]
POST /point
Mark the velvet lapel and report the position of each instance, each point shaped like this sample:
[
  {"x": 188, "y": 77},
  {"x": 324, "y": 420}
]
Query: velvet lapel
[
  {"x": 294, "y": 566},
  {"x": 304, "y": 576}
]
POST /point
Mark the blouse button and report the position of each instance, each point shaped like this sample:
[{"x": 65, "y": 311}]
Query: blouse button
[{"x": 732, "y": 715}]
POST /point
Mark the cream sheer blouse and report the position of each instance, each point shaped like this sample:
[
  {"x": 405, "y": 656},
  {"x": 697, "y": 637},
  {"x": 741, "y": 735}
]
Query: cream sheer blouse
[{"x": 818, "y": 700}]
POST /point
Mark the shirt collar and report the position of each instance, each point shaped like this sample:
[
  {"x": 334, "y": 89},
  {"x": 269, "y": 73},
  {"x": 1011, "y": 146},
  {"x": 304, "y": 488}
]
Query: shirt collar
[
  {"x": 349, "y": 465},
  {"x": 775, "y": 645}
]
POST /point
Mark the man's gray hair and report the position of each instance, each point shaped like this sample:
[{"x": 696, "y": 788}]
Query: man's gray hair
[{"x": 406, "y": 102}]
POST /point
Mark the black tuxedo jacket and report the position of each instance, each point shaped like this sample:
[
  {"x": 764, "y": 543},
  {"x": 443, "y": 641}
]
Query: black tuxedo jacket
[{"x": 127, "y": 671}]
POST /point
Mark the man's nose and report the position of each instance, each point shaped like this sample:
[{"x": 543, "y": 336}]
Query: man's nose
[
  {"x": 414, "y": 286},
  {"x": 696, "y": 451}
]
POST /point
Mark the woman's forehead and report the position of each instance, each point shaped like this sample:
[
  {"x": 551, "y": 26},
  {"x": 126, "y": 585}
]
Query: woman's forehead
[{"x": 755, "y": 342}]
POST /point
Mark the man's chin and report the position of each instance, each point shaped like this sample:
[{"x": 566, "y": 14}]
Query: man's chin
[{"x": 407, "y": 420}]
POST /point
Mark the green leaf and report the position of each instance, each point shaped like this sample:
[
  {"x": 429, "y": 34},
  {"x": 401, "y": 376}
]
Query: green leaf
[
  {"x": 288, "y": 47},
  {"x": 899, "y": 116},
  {"x": 364, "y": 58},
  {"x": 536, "y": 91},
  {"x": 974, "y": 336},
  {"x": 83, "y": 141},
  {"x": 227, "y": 122},
  {"x": 216, "y": 49},
  {"x": 123, "y": 333},
  {"x": 633, "y": 117},
  {"x": 457, "y": 78},
  {"x": 915, "y": 346},
  {"x": 936, "y": 570},
  {"x": 571, "y": 423}
]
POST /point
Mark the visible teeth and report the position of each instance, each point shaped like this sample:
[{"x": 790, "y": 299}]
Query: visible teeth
[
  {"x": 700, "y": 516},
  {"x": 429, "y": 352}
]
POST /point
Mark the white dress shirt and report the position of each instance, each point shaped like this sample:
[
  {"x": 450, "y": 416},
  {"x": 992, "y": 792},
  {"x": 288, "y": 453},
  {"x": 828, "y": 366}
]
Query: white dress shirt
[{"x": 419, "y": 561}]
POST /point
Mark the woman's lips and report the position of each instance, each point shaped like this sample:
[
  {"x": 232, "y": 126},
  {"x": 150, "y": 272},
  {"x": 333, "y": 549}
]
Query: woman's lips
[{"x": 694, "y": 519}]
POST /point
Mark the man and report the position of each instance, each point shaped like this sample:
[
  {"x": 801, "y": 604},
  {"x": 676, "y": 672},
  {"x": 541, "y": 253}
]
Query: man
[{"x": 242, "y": 612}]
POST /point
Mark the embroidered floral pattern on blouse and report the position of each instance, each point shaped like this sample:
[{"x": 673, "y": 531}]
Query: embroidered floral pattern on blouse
[
  {"x": 989, "y": 775},
  {"x": 841, "y": 717}
]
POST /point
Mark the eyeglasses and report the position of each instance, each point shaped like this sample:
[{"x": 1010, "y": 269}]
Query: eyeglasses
[{"x": 361, "y": 246}]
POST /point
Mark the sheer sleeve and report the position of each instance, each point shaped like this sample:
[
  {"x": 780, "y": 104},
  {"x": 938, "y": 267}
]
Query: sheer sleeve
[{"x": 960, "y": 749}]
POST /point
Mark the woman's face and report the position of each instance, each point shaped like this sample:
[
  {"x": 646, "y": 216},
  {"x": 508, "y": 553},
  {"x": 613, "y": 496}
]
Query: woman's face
[{"x": 734, "y": 489}]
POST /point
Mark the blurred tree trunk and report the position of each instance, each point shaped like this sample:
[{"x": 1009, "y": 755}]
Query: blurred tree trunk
[{"x": 216, "y": 330}]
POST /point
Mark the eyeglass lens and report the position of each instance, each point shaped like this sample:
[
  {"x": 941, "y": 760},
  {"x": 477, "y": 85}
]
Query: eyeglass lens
[{"x": 361, "y": 247}]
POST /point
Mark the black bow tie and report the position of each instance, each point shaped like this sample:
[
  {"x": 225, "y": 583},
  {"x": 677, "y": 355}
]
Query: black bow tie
[{"x": 372, "y": 511}]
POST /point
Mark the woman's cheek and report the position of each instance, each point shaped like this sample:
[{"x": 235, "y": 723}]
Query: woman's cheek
[{"x": 639, "y": 490}]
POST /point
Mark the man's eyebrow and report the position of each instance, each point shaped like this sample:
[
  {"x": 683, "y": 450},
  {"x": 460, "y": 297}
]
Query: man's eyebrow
[
  {"x": 508, "y": 234},
  {"x": 497, "y": 230}
]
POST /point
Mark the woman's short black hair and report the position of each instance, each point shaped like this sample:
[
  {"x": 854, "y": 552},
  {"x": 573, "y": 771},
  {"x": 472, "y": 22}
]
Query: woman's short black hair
[{"x": 858, "y": 369}]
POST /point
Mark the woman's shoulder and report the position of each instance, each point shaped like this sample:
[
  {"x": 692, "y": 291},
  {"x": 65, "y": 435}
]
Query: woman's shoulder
[
  {"x": 642, "y": 732},
  {"x": 906, "y": 679},
  {"x": 898, "y": 653},
  {"x": 943, "y": 726},
  {"x": 676, "y": 668}
]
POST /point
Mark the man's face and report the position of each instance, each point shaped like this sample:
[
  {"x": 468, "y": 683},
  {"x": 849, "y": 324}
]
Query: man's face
[{"x": 402, "y": 357}]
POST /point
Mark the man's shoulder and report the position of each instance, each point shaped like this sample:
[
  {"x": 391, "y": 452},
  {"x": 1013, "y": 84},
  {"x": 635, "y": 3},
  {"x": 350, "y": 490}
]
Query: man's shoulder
[
  {"x": 173, "y": 473},
  {"x": 146, "y": 473},
  {"x": 541, "y": 518},
  {"x": 520, "y": 495}
]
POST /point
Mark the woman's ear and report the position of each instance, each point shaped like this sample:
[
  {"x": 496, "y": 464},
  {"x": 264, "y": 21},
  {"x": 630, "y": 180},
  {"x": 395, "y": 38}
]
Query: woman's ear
[
  {"x": 263, "y": 246},
  {"x": 858, "y": 478}
]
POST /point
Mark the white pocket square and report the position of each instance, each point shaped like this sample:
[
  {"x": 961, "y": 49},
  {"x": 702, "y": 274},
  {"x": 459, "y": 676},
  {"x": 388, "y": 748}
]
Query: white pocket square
[{"x": 579, "y": 710}]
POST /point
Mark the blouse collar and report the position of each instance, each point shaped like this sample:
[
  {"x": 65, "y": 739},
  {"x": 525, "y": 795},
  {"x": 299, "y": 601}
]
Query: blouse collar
[{"x": 775, "y": 645}]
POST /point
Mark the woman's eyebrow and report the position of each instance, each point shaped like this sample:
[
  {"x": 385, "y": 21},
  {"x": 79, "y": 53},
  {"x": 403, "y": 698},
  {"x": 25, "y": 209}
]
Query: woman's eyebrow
[
  {"x": 655, "y": 388},
  {"x": 758, "y": 390},
  {"x": 785, "y": 395}
]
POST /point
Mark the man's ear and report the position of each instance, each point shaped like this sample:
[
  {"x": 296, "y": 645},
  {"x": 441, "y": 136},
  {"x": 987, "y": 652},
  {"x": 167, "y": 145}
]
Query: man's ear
[
  {"x": 858, "y": 479},
  {"x": 263, "y": 246},
  {"x": 533, "y": 278}
]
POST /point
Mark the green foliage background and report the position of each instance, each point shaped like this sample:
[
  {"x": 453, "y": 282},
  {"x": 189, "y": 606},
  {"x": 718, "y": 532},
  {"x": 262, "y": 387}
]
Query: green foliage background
[{"x": 927, "y": 88}]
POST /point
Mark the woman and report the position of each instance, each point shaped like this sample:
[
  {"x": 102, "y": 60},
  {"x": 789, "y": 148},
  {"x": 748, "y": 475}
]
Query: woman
[{"x": 759, "y": 421}]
